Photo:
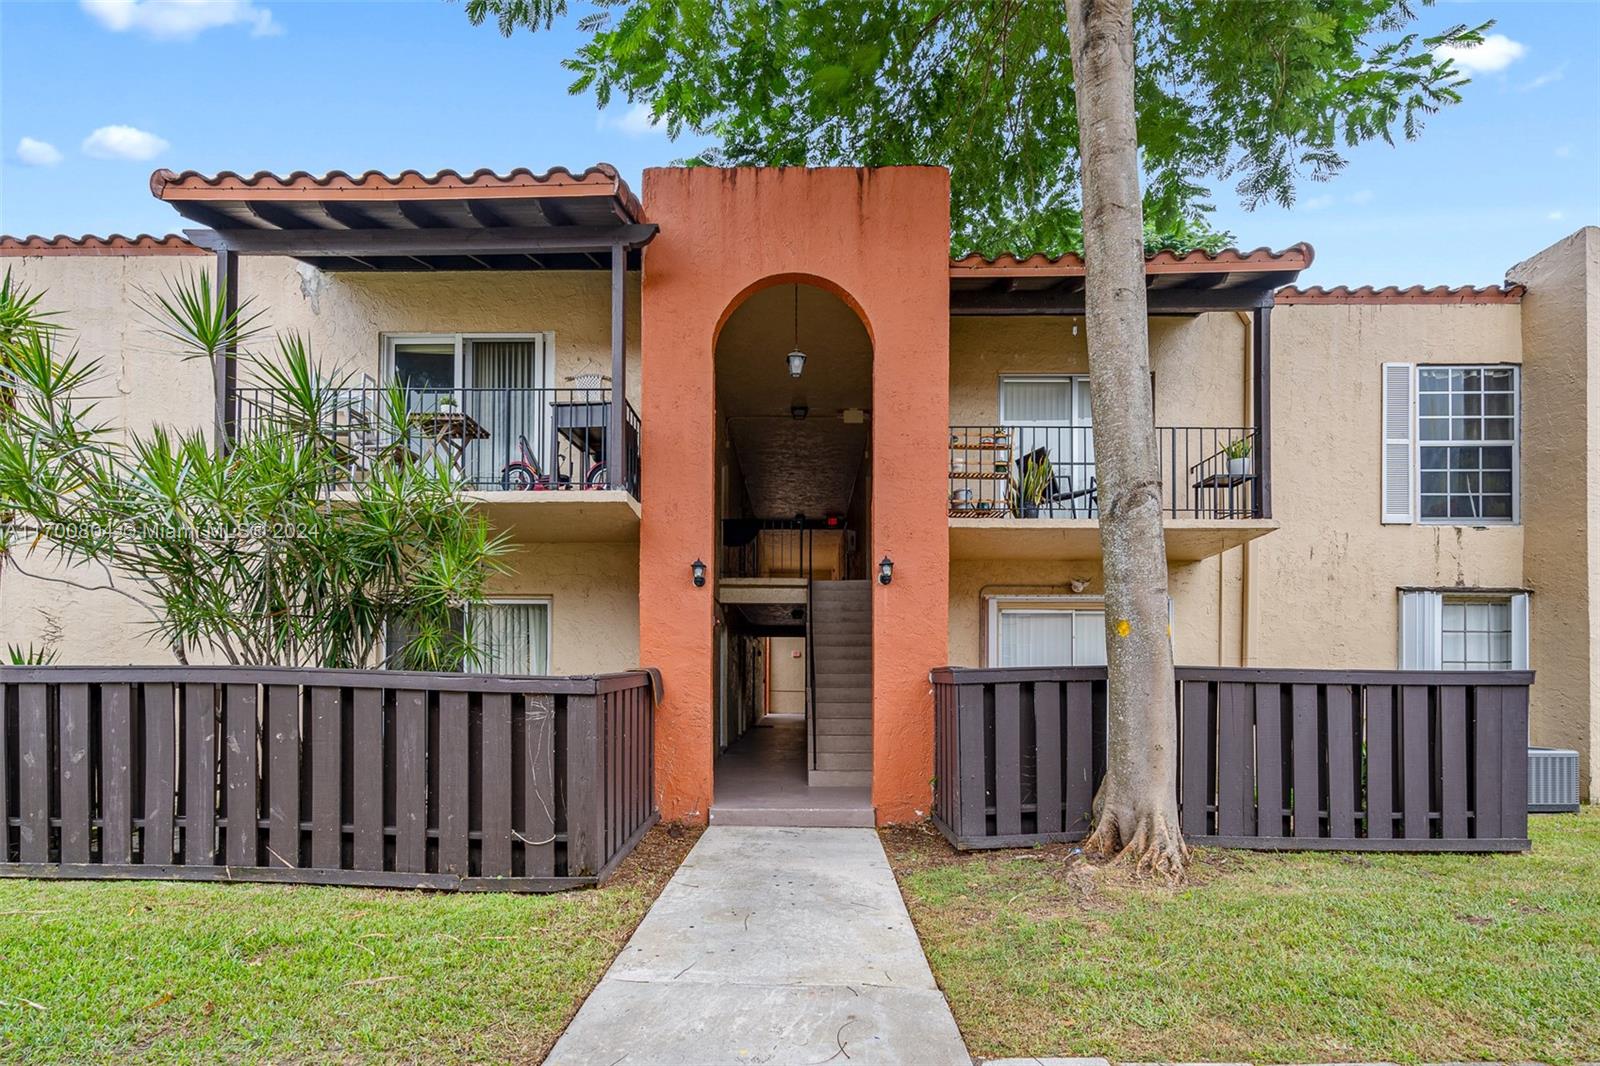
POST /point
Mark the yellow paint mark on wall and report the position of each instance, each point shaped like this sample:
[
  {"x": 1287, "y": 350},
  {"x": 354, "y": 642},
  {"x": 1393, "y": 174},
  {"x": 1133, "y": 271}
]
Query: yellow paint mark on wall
[{"x": 1123, "y": 628}]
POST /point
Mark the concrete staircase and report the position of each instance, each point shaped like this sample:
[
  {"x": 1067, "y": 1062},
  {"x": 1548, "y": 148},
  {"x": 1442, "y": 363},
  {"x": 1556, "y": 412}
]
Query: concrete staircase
[{"x": 841, "y": 651}]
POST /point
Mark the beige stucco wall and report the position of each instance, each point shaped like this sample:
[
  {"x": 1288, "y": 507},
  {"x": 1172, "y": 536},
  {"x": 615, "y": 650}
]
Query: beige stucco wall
[
  {"x": 1327, "y": 580},
  {"x": 1322, "y": 589},
  {"x": 594, "y": 601},
  {"x": 1200, "y": 364},
  {"x": 1561, "y": 501},
  {"x": 594, "y": 587}
]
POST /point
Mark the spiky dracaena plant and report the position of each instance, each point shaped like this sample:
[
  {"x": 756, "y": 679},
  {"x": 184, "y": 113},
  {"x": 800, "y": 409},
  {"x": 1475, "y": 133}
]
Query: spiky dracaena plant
[{"x": 246, "y": 554}]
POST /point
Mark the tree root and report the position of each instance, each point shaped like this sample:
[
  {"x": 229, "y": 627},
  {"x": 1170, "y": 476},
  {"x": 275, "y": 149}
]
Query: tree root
[{"x": 1148, "y": 842}]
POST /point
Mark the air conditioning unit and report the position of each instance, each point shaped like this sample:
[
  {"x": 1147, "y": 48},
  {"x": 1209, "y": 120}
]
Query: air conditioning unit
[{"x": 1552, "y": 780}]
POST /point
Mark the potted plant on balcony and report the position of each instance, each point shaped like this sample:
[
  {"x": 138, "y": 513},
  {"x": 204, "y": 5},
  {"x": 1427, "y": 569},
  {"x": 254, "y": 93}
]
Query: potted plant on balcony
[
  {"x": 1030, "y": 488},
  {"x": 1238, "y": 456}
]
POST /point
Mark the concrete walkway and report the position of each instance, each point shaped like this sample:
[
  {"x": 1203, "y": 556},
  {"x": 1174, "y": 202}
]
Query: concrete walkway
[{"x": 772, "y": 946}]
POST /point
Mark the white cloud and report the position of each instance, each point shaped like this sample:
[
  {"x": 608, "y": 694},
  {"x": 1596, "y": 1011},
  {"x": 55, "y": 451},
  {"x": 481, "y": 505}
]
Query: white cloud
[
  {"x": 37, "y": 153},
  {"x": 1361, "y": 197},
  {"x": 1317, "y": 203},
  {"x": 180, "y": 20},
  {"x": 1555, "y": 216},
  {"x": 1497, "y": 52},
  {"x": 1563, "y": 151},
  {"x": 123, "y": 142},
  {"x": 635, "y": 122},
  {"x": 1549, "y": 77}
]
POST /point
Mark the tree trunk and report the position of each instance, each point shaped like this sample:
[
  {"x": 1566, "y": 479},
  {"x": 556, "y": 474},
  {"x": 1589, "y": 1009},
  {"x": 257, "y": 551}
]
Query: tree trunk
[{"x": 1138, "y": 801}]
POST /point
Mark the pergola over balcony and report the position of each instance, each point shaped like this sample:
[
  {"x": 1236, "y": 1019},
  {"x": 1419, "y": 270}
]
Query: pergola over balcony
[
  {"x": 1176, "y": 284},
  {"x": 556, "y": 220}
]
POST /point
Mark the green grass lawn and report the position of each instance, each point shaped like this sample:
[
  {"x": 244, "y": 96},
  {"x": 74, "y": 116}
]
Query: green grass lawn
[
  {"x": 110, "y": 971},
  {"x": 1262, "y": 957}
]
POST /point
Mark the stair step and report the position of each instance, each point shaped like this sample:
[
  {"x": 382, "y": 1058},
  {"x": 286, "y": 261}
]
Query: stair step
[
  {"x": 838, "y": 779},
  {"x": 844, "y": 760},
  {"x": 827, "y": 726},
  {"x": 844, "y": 709},
  {"x": 843, "y": 742}
]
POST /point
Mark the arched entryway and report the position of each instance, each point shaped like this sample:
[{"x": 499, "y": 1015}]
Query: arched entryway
[
  {"x": 793, "y": 655},
  {"x": 878, "y": 241}
]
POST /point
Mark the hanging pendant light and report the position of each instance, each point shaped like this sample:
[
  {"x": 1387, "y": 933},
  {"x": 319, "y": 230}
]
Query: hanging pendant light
[{"x": 797, "y": 358}]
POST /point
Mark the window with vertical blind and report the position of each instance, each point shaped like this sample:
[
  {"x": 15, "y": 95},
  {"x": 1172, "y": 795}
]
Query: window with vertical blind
[
  {"x": 1463, "y": 630},
  {"x": 512, "y": 637},
  {"x": 1046, "y": 633}
]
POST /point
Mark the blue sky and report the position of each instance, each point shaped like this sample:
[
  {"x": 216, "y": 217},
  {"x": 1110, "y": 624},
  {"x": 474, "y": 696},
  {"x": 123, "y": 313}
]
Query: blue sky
[{"x": 95, "y": 95}]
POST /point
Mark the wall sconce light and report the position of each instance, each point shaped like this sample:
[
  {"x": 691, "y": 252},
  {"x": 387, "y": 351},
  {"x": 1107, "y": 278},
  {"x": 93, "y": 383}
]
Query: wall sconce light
[
  {"x": 885, "y": 570},
  {"x": 698, "y": 569}
]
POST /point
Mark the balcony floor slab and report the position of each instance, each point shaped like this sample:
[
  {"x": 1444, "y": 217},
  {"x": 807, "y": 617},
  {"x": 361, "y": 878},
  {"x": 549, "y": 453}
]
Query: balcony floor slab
[{"x": 1188, "y": 539}]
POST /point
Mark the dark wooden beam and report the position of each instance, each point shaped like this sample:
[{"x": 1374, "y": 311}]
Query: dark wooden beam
[
  {"x": 616, "y": 430},
  {"x": 1071, "y": 302},
  {"x": 1261, "y": 390},
  {"x": 227, "y": 368},
  {"x": 272, "y": 216},
  {"x": 420, "y": 216},
  {"x": 509, "y": 240}
]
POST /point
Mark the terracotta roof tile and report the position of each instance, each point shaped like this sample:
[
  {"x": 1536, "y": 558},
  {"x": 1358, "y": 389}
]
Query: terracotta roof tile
[
  {"x": 114, "y": 245},
  {"x": 1393, "y": 294},
  {"x": 1295, "y": 257},
  {"x": 601, "y": 179}
]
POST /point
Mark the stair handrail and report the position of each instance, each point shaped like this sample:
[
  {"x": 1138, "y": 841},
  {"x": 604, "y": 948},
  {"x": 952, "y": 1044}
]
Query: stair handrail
[{"x": 806, "y": 548}]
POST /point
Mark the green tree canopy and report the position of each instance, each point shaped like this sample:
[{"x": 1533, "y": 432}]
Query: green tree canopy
[{"x": 1260, "y": 95}]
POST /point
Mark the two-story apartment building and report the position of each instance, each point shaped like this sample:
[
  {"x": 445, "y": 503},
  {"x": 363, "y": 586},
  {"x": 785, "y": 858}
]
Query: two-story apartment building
[{"x": 757, "y": 429}]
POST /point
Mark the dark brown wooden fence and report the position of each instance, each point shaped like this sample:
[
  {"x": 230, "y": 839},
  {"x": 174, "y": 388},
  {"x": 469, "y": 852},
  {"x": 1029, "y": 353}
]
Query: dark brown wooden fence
[
  {"x": 1282, "y": 759},
  {"x": 379, "y": 778}
]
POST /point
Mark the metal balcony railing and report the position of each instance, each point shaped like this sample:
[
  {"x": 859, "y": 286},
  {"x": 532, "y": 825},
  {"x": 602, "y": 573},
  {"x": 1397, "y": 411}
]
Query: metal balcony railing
[
  {"x": 528, "y": 440},
  {"x": 1048, "y": 471}
]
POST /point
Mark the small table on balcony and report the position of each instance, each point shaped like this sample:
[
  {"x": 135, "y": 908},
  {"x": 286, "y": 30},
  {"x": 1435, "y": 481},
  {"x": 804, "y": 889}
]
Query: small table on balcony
[
  {"x": 584, "y": 424},
  {"x": 449, "y": 430},
  {"x": 1232, "y": 495}
]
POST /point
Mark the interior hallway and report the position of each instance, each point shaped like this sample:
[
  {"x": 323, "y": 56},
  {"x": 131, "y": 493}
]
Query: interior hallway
[
  {"x": 761, "y": 780},
  {"x": 774, "y": 946}
]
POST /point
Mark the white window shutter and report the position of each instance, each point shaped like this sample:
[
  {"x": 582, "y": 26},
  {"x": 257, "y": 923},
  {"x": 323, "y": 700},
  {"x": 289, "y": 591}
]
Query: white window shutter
[
  {"x": 1519, "y": 631},
  {"x": 1399, "y": 497},
  {"x": 1421, "y": 624}
]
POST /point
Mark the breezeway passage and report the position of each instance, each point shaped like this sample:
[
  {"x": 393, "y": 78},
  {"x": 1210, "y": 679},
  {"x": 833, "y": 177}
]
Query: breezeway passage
[{"x": 776, "y": 946}]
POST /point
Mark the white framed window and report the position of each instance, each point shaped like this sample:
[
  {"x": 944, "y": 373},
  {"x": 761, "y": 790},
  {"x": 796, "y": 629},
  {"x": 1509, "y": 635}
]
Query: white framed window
[
  {"x": 1046, "y": 631},
  {"x": 1463, "y": 630},
  {"x": 1051, "y": 413},
  {"x": 1451, "y": 441},
  {"x": 512, "y": 635}
]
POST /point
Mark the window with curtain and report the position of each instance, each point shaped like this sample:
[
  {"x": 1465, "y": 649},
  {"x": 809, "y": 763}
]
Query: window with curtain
[
  {"x": 1052, "y": 414},
  {"x": 1042, "y": 635}
]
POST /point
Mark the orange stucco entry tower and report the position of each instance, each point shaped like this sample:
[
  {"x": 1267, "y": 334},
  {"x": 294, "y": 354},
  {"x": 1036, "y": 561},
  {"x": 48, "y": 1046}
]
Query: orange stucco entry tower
[{"x": 880, "y": 240}]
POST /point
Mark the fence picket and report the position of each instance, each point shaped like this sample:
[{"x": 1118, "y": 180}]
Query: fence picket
[
  {"x": 411, "y": 782},
  {"x": 33, "y": 775},
  {"x": 199, "y": 775},
  {"x": 1080, "y": 756},
  {"x": 1453, "y": 761},
  {"x": 1269, "y": 760},
  {"x": 539, "y": 787},
  {"x": 1341, "y": 763},
  {"x": 1487, "y": 718},
  {"x": 369, "y": 775},
  {"x": 242, "y": 768},
  {"x": 495, "y": 857},
  {"x": 454, "y": 768},
  {"x": 72, "y": 762},
  {"x": 1307, "y": 761},
  {"x": 1414, "y": 769},
  {"x": 283, "y": 775},
  {"x": 1196, "y": 774},
  {"x": 1047, "y": 755},
  {"x": 116, "y": 782},
  {"x": 1236, "y": 778},
  {"x": 157, "y": 721},
  {"x": 1380, "y": 762},
  {"x": 1008, "y": 760}
]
